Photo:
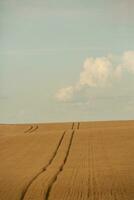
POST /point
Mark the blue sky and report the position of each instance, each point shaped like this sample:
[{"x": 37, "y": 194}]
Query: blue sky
[{"x": 66, "y": 60}]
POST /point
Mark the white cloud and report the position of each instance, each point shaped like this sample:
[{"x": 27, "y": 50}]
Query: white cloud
[
  {"x": 96, "y": 72},
  {"x": 128, "y": 61},
  {"x": 65, "y": 94},
  {"x": 99, "y": 72}
]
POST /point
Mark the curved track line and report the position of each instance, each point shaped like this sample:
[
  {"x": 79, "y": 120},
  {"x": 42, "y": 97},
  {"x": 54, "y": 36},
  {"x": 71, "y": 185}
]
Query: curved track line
[
  {"x": 29, "y": 129},
  {"x": 44, "y": 168},
  {"x": 34, "y": 129},
  {"x": 60, "y": 169}
]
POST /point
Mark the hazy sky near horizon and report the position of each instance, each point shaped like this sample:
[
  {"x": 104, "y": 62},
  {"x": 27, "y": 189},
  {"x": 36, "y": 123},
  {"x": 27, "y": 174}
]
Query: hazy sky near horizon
[{"x": 64, "y": 60}]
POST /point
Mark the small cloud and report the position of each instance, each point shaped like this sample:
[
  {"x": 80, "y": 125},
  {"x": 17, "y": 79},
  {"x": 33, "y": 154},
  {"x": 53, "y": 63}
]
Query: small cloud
[
  {"x": 96, "y": 72},
  {"x": 128, "y": 61},
  {"x": 99, "y": 72},
  {"x": 65, "y": 94}
]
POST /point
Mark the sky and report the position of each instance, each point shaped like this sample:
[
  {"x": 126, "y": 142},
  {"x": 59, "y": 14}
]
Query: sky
[{"x": 64, "y": 60}]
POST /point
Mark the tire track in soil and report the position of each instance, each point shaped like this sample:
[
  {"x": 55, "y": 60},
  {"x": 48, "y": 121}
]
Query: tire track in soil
[
  {"x": 33, "y": 130},
  {"x": 72, "y": 125},
  {"x": 78, "y": 126},
  {"x": 29, "y": 129},
  {"x": 43, "y": 169},
  {"x": 60, "y": 169}
]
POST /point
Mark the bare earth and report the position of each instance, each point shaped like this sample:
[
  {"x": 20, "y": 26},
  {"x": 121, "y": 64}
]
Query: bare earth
[{"x": 67, "y": 161}]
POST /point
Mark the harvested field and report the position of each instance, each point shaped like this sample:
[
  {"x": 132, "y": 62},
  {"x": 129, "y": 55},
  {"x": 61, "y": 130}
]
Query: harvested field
[{"x": 67, "y": 161}]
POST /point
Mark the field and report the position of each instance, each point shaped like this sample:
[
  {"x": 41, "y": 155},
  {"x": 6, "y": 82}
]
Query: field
[{"x": 67, "y": 161}]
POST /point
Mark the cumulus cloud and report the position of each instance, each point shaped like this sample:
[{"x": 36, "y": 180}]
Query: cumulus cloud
[
  {"x": 128, "y": 61},
  {"x": 99, "y": 72},
  {"x": 65, "y": 94},
  {"x": 95, "y": 72}
]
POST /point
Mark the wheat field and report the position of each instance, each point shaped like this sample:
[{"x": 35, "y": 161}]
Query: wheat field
[{"x": 67, "y": 161}]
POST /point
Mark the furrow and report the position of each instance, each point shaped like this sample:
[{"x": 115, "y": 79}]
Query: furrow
[
  {"x": 60, "y": 169},
  {"x": 33, "y": 130},
  {"x": 29, "y": 129},
  {"x": 72, "y": 125},
  {"x": 43, "y": 169},
  {"x": 78, "y": 126}
]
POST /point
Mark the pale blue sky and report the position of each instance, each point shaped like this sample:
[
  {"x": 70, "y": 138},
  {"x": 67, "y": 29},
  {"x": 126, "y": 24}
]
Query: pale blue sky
[{"x": 43, "y": 46}]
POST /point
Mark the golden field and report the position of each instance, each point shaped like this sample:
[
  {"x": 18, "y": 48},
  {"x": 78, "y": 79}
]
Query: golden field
[{"x": 67, "y": 161}]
